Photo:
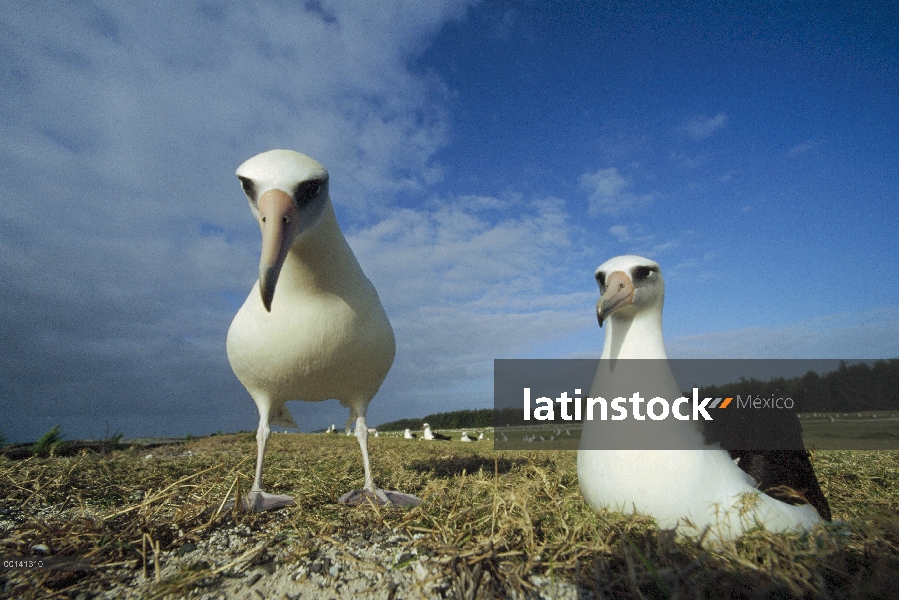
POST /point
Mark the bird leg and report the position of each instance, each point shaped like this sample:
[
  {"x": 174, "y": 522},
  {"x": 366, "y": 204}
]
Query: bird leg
[
  {"x": 258, "y": 500},
  {"x": 349, "y": 424},
  {"x": 370, "y": 492},
  {"x": 362, "y": 436}
]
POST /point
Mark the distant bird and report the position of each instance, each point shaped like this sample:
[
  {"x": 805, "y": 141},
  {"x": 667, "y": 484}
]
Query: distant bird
[
  {"x": 313, "y": 327},
  {"x": 481, "y": 436},
  {"x": 701, "y": 485},
  {"x": 466, "y": 438},
  {"x": 409, "y": 435},
  {"x": 433, "y": 435}
]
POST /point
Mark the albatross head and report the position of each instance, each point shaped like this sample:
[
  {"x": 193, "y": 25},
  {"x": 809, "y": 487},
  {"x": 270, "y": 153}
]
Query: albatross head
[
  {"x": 627, "y": 285},
  {"x": 288, "y": 192}
]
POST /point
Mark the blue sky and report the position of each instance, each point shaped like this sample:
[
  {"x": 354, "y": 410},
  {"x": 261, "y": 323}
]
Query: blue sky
[{"x": 484, "y": 159}]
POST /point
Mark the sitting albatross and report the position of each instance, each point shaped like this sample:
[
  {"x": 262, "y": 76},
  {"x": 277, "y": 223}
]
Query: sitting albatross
[
  {"x": 313, "y": 327},
  {"x": 430, "y": 434},
  {"x": 694, "y": 488}
]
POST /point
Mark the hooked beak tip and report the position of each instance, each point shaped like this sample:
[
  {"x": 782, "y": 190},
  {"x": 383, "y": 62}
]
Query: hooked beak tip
[{"x": 268, "y": 278}]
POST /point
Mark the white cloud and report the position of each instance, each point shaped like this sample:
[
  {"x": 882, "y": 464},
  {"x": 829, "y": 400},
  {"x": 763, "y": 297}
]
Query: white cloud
[
  {"x": 462, "y": 290},
  {"x": 450, "y": 255},
  {"x": 620, "y": 232},
  {"x": 172, "y": 92},
  {"x": 609, "y": 192},
  {"x": 504, "y": 28},
  {"x": 873, "y": 334},
  {"x": 129, "y": 246},
  {"x": 803, "y": 148},
  {"x": 695, "y": 268},
  {"x": 702, "y": 127}
]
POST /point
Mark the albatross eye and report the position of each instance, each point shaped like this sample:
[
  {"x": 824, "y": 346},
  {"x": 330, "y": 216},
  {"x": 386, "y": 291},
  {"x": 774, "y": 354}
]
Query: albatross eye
[
  {"x": 248, "y": 188},
  {"x": 306, "y": 191},
  {"x": 601, "y": 280},
  {"x": 642, "y": 273}
]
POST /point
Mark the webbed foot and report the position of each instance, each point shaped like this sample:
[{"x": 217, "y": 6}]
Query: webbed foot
[
  {"x": 379, "y": 497},
  {"x": 261, "y": 501}
]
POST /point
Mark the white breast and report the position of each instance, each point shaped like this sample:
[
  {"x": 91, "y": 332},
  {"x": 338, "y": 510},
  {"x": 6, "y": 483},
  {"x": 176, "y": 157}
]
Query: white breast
[{"x": 327, "y": 335}]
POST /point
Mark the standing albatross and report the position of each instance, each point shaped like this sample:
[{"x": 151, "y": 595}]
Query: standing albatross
[
  {"x": 693, "y": 488},
  {"x": 313, "y": 327}
]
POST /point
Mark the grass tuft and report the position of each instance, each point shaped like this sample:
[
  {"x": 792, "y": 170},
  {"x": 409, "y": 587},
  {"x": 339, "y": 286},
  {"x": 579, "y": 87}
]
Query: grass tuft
[{"x": 48, "y": 443}]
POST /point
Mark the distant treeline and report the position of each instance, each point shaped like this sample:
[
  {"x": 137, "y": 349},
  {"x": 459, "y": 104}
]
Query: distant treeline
[
  {"x": 851, "y": 388},
  {"x": 459, "y": 419}
]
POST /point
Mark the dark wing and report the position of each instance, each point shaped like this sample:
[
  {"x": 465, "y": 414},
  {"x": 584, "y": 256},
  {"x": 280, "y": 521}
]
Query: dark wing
[
  {"x": 786, "y": 475},
  {"x": 769, "y": 446}
]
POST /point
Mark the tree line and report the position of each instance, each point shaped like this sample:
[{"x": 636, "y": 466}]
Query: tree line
[
  {"x": 459, "y": 419},
  {"x": 851, "y": 388}
]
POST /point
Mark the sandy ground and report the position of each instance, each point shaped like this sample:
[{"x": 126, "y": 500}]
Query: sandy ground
[
  {"x": 383, "y": 565},
  {"x": 242, "y": 562}
]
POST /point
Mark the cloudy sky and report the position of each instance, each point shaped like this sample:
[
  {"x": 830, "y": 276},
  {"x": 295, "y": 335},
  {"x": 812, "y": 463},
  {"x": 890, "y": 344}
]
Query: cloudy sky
[{"x": 484, "y": 159}]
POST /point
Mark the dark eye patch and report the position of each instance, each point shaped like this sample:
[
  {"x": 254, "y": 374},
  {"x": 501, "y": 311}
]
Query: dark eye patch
[
  {"x": 307, "y": 190},
  {"x": 641, "y": 273},
  {"x": 601, "y": 280},
  {"x": 248, "y": 187}
]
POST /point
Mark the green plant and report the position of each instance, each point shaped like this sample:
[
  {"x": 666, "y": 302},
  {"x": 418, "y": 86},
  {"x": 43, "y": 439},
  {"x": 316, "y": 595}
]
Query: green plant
[{"x": 48, "y": 443}]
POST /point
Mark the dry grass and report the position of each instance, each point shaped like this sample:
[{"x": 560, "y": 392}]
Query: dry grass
[{"x": 493, "y": 519}]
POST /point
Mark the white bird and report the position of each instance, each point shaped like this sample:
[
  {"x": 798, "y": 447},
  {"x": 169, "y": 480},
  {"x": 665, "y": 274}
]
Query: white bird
[
  {"x": 465, "y": 437},
  {"x": 481, "y": 436},
  {"x": 409, "y": 435},
  {"x": 431, "y": 435},
  {"x": 313, "y": 327},
  {"x": 690, "y": 489}
]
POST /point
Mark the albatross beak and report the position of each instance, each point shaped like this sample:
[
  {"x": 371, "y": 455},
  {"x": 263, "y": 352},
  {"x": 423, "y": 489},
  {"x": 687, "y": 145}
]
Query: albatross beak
[
  {"x": 619, "y": 293},
  {"x": 279, "y": 220}
]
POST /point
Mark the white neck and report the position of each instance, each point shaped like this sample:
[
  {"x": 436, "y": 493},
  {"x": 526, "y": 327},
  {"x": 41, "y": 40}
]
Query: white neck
[
  {"x": 321, "y": 259},
  {"x": 635, "y": 334}
]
